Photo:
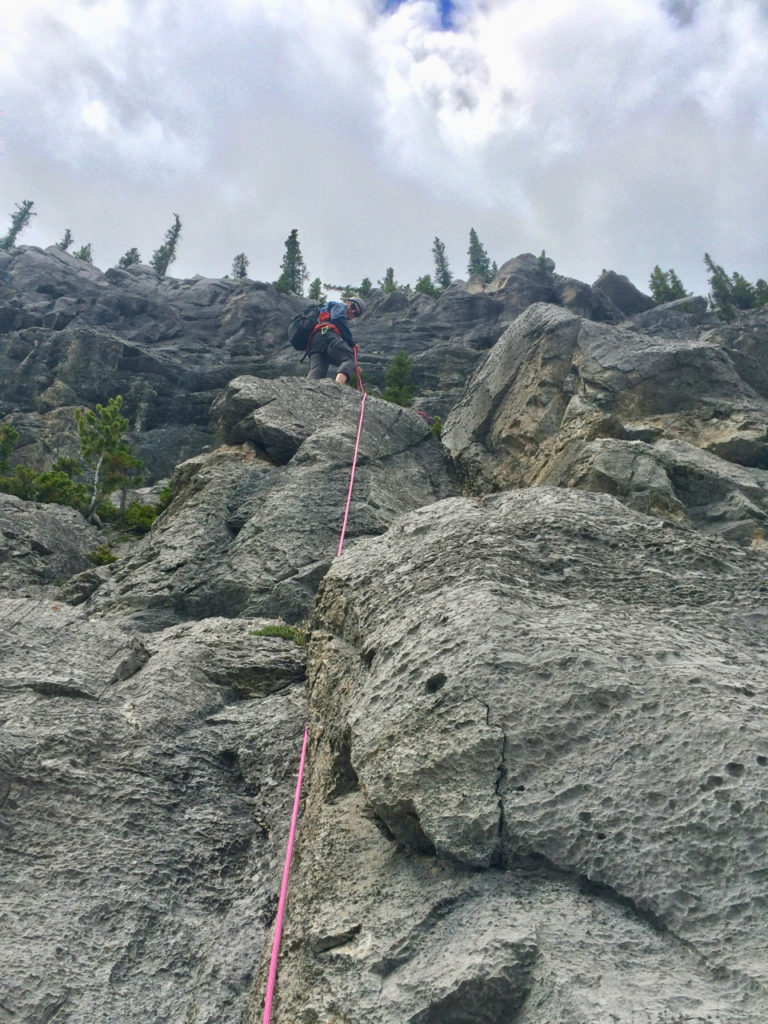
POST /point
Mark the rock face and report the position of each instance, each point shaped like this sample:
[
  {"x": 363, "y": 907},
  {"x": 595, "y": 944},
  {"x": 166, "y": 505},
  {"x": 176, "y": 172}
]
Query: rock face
[
  {"x": 41, "y": 545},
  {"x": 144, "y": 786},
  {"x": 71, "y": 335},
  {"x": 537, "y": 729},
  {"x": 536, "y": 781},
  {"x": 254, "y": 528},
  {"x": 675, "y": 424}
]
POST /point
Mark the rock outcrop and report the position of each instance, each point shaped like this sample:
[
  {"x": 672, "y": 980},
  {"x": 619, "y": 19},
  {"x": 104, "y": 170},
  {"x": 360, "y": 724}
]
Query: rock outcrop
[
  {"x": 534, "y": 680},
  {"x": 536, "y": 724},
  {"x": 71, "y": 335},
  {"x": 676, "y": 425}
]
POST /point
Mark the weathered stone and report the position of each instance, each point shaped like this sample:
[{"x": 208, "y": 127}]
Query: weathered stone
[
  {"x": 550, "y": 683},
  {"x": 76, "y": 336},
  {"x": 41, "y": 545},
  {"x": 141, "y": 830},
  {"x": 622, "y": 293},
  {"x": 253, "y": 527},
  {"x": 567, "y": 401}
]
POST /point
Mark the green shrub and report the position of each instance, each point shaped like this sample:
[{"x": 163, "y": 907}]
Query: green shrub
[
  {"x": 139, "y": 518},
  {"x": 397, "y": 379},
  {"x": 298, "y": 636},
  {"x": 102, "y": 555}
]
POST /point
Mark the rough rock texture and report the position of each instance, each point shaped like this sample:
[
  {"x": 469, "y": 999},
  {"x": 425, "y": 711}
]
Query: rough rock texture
[
  {"x": 622, "y": 293},
  {"x": 536, "y": 780},
  {"x": 253, "y": 528},
  {"x": 675, "y": 424},
  {"x": 539, "y": 729},
  {"x": 41, "y": 545},
  {"x": 142, "y": 803},
  {"x": 71, "y": 335}
]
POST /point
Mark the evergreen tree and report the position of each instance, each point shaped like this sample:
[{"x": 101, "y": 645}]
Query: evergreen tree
[
  {"x": 666, "y": 286},
  {"x": 729, "y": 293},
  {"x": 399, "y": 387},
  {"x": 478, "y": 262},
  {"x": 719, "y": 288},
  {"x": 84, "y": 253},
  {"x": 389, "y": 284},
  {"x": 9, "y": 435},
  {"x": 316, "y": 293},
  {"x": 365, "y": 288},
  {"x": 293, "y": 272},
  {"x": 240, "y": 266},
  {"x": 19, "y": 220},
  {"x": 66, "y": 241},
  {"x": 164, "y": 256},
  {"x": 426, "y": 286},
  {"x": 103, "y": 449},
  {"x": 129, "y": 259},
  {"x": 443, "y": 275}
]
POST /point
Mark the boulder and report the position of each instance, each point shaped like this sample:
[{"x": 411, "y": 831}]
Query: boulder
[
  {"x": 41, "y": 545},
  {"x": 676, "y": 426},
  {"x": 254, "y": 525},
  {"x": 622, "y": 293}
]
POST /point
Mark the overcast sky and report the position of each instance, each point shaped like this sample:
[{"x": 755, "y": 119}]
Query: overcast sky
[{"x": 613, "y": 134}]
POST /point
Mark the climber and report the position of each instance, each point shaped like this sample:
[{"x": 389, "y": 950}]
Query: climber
[{"x": 331, "y": 339}]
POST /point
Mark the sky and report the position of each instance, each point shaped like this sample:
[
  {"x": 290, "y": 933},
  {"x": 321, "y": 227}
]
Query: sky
[{"x": 614, "y": 134}]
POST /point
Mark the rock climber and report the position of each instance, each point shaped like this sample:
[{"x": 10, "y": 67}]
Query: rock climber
[{"x": 331, "y": 339}]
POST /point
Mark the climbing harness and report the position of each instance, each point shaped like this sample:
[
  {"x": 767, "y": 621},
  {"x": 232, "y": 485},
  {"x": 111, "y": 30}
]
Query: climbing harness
[{"x": 272, "y": 977}]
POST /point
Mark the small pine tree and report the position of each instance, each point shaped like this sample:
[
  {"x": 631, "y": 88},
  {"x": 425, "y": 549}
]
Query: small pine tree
[
  {"x": 165, "y": 254},
  {"x": 443, "y": 275},
  {"x": 388, "y": 283},
  {"x": 398, "y": 380},
  {"x": 478, "y": 262},
  {"x": 365, "y": 288},
  {"x": 720, "y": 289},
  {"x": 316, "y": 293},
  {"x": 129, "y": 259},
  {"x": 425, "y": 286},
  {"x": 666, "y": 286},
  {"x": 113, "y": 463},
  {"x": 84, "y": 253},
  {"x": 293, "y": 272},
  {"x": 240, "y": 266},
  {"x": 9, "y": 435},
  {"x": 66, "y": 241},
  {"x": 19, "y": 220}
]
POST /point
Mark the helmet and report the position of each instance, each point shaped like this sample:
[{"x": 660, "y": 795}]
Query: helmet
[{"x": 357, "y": 301}]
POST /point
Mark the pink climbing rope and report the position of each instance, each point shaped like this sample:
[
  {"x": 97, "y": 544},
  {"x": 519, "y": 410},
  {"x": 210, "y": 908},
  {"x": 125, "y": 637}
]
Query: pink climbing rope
[
  {"x": 352, "y": 475},
  {"x": 284, "y": 889},
  {"x": 272, "y": 978},
  {"x": 362, "y": 390}
]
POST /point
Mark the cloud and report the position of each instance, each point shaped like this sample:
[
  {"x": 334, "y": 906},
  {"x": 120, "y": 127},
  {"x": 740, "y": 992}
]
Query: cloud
[{"x": 610, "y": 133}]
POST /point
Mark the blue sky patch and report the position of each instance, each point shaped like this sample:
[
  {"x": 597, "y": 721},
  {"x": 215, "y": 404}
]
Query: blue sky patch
[{"x": 445, "y": 9}]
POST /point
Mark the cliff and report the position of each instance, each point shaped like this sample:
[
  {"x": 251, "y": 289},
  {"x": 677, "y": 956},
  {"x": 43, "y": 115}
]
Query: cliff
[{"x": 534, "y": 680}]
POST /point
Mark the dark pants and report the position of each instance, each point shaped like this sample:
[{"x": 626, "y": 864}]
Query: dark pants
[{"x": 328, "y": 349}]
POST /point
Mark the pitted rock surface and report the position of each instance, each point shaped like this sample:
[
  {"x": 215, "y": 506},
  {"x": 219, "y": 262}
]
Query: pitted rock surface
[
  {"x": 141, "y": 829},
  {"x": 547, "y": 678}
]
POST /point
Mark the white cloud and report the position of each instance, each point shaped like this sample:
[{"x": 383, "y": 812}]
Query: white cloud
[{"x": 613, "y": 133}]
